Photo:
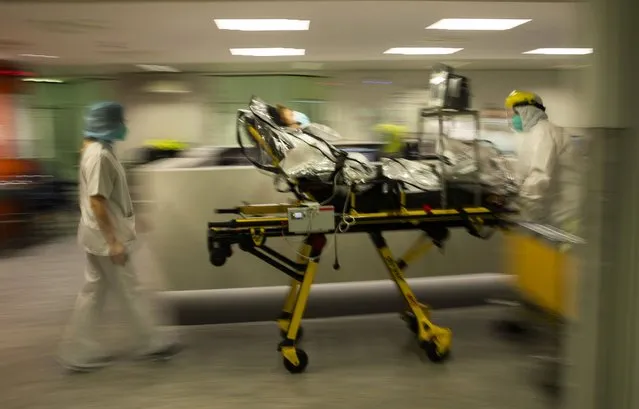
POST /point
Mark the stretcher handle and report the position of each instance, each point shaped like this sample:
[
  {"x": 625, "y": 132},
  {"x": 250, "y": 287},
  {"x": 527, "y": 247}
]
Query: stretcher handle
[
  {"x": 223, "y": 225},
  {"x": 234, "y": 210}
]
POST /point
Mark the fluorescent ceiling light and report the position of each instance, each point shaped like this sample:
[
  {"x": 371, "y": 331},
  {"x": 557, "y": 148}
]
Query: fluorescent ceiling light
[
  {"x": 262, "y": 24},
  {"x": 561, "y": 51},
  {"x": 422, "y": 50},
  {"x": 267, "y": 52},
  {"x": 477, "y": 24},
  {"x": 157, "y": 68},
  {"x": 38, "y": 56},
  {"x": 43, "y": 80}
]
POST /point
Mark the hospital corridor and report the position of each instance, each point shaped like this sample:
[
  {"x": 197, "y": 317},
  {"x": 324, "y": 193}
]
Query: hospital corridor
[
  {"x": 313, "y": 204},
  {"x": 367, "y": 361}
]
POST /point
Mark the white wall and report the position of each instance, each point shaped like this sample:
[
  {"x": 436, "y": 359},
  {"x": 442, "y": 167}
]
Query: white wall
[
  {"x": 356, "y": 100},
  {"x": 149, "y": 115}
]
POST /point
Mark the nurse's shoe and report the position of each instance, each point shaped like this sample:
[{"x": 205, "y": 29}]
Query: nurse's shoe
[
  {"x": 85, "y": 367},
  {"x": 163, "y": 354}
]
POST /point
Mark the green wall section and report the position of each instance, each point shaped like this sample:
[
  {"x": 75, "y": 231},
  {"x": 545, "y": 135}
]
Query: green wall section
[
  {"x": 226, "y": 94},
  {"x": 58, "y": 109},
  {"x": 57, "y": 113},
  {"x": 276, "y": 88}
]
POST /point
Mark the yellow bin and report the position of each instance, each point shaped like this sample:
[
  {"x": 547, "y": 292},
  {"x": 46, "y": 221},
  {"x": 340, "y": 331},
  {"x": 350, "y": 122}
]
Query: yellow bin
[{"x": 544, "y": 274}]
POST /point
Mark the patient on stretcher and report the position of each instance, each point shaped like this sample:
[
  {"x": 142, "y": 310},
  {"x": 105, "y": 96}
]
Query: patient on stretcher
[{"x": 306, "y": 153}]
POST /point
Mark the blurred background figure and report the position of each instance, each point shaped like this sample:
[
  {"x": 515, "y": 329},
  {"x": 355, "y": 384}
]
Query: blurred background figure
[
  {"x": 393, "y": 137},
  {"x": 107, "y": 234}
]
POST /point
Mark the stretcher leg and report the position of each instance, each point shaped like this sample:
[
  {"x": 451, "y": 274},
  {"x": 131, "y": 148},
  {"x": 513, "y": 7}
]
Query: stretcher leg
[
  {"x": 289, "y": 303},
  {"x": 421, "y": 246},
  {"x": 295, "y": 359},
  {"x": 435, "y": 340}
]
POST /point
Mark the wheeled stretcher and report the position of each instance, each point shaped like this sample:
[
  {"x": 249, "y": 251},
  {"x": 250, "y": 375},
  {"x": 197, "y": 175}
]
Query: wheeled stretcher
[
  {"x": 261, "y": 222},
  {"x": 383, "y": 205}
]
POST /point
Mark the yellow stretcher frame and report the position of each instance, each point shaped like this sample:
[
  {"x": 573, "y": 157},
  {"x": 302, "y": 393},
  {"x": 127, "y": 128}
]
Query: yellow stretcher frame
[{"x": 251, "y": 231}]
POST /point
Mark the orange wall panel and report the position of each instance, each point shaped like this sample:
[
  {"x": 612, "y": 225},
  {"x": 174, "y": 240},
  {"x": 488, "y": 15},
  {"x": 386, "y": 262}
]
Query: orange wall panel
[{"x": 7, "y": 127}]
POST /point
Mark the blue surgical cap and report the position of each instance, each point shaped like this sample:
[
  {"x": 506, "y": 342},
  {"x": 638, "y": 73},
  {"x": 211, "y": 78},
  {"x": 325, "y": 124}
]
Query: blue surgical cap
[{"x": 104, "y": 121}]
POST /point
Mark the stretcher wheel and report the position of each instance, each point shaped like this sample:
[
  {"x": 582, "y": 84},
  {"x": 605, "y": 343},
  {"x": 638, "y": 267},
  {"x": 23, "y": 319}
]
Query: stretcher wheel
[
  {"x": 218, "y": 261},
  {"x": 301, "y": 367},
  {"x": 300, "y": 334},
  {"x": 219, "y": 253},
  {"x": 433, "y": 353}
]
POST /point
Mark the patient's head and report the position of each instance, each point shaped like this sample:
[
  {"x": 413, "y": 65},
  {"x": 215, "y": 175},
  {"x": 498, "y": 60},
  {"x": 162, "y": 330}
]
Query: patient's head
[{"x": 286, "y": 116}]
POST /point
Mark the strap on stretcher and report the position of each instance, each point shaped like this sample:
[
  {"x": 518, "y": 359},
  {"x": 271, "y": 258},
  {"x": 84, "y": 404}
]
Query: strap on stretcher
[{"x": 473, "y": 224}]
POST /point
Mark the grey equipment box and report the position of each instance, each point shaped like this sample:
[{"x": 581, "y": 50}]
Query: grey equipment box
[{"x": 311, "y": 217}]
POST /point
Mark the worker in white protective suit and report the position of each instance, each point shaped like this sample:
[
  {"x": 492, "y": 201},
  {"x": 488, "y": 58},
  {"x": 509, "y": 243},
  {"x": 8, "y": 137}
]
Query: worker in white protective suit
[
  {"x": 548, "y": 170},
  {"x": 107, "y": 235}
]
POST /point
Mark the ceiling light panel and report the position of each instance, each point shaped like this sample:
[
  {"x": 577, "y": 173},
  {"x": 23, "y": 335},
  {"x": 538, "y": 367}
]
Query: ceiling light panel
[
  {"x": 560, "y": 51},
  {"x": 44, "y": 80},
  {"x": 268, "y": 52},
  {"x": 422, "y": 50},
  {"x": 39, "y": 56},
  {"x": 477, "y": 24},
  {"x": 262, "y": 24}
]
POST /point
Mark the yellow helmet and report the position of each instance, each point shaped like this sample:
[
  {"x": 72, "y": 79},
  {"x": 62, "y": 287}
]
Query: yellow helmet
[
  {"x": 391, "y": 129},
  {"x": 166, "y": 144},
  {"x": 521, "y": 98}
]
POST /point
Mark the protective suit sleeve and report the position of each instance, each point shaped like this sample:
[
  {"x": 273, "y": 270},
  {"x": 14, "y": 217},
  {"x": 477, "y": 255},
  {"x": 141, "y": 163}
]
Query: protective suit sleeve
[{"x": 541, "y": 152}]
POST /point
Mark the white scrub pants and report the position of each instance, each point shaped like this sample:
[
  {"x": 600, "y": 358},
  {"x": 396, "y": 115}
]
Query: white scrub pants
[{"x": 80, "y": 344}]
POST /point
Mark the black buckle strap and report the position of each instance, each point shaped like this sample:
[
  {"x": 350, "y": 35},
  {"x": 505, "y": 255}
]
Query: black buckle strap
[{"x": 472, "y": 223}]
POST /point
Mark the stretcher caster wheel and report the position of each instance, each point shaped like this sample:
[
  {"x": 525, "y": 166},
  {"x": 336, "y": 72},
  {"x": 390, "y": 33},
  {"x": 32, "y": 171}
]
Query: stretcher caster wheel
[
  {"x": 434, "y": 352},
  {"x": 295, "y": 367},
  {"x": 218, "y": 261},
  {"x": 300, "y": 334}
]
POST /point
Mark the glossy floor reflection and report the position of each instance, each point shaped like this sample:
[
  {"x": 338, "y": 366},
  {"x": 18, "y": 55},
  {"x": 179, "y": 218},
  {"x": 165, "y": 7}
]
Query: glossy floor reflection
[{"x": 364, "y": 362}]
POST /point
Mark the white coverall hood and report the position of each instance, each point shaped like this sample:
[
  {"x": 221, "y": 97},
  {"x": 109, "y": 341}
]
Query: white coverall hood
[
  {"x": 549, "y": 173},
  {"x": 530, "y": 116}
]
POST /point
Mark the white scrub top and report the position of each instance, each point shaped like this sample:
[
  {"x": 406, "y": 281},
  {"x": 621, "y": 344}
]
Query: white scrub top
[{"x": 102, "y": 174}]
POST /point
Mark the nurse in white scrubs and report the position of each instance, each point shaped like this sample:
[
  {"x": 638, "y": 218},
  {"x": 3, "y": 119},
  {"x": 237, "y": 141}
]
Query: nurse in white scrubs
[{"x": 107, "y": 234}]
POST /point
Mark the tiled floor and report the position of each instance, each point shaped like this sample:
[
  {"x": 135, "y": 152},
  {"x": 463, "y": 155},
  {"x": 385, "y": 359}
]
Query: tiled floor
[{"x": 369, "y": 362}]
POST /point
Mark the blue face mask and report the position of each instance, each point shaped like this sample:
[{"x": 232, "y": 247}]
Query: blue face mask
[
  {"x": 518, "y": 124},
  {"x": 301, "y": 118},
  {"x": 119, "y": 134}
]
